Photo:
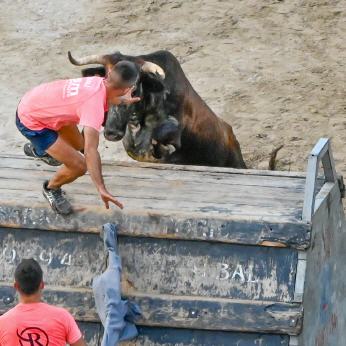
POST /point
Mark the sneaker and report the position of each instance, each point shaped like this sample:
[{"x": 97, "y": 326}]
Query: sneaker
[
  {"x": 29, "y": 150},
  {"x": 57, "y": 200}
]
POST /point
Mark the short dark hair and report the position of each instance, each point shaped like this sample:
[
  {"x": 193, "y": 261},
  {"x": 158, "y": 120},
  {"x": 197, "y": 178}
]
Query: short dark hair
[
  {"x": 127, "y": 71},
  {"x": 28, "y": 276}
]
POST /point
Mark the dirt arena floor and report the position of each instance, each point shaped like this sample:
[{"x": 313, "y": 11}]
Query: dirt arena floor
[{"x": 275, "y": 70}]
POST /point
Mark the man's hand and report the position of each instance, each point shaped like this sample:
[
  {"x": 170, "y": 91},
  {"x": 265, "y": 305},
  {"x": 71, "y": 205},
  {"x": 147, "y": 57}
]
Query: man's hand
[
  {"x": 107, "y": 197},
  {"x": 127, "y": 98}
]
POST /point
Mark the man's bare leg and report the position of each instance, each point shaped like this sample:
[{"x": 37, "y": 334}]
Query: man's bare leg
[
  {"x": 71, "y": 135},
  {"x": 74, "y": 166},
  {"x": 73, "y": 161}
]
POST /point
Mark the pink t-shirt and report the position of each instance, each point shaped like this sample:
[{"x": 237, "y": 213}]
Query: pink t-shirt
[
  {"x": 56, "y": 104},
  {"x": 38, "y": 324}
]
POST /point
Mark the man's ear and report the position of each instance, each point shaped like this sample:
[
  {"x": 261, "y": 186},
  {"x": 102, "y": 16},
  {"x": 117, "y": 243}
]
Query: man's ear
[
  {"x": 41, "y": 287},
  {"x": 16, "y": 286}
]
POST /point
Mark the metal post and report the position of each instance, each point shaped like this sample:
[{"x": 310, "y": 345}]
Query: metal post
[{"x": 320, "y": 153}]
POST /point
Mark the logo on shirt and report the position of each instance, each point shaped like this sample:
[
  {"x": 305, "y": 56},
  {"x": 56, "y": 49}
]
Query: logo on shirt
[
  {"x": 33, "y": 336},
  {"x": 88, "y": 82},
  {"x": 72, "y": 87}
]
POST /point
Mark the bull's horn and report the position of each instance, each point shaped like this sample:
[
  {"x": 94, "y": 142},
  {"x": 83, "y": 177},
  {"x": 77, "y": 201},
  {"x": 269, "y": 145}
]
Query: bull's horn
[
  {"x": 91, "y": 59},
  {"x": 153, "y": 68}
]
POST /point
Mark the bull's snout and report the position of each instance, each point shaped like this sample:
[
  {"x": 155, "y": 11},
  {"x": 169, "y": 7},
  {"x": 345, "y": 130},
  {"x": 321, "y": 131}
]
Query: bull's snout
[{"x": 114, "y": 136}]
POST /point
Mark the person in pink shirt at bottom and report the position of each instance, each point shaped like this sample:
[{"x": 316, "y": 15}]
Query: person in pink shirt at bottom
[
  {"x": 48, "y": 116},
  {"x": 32, "y": 322}
]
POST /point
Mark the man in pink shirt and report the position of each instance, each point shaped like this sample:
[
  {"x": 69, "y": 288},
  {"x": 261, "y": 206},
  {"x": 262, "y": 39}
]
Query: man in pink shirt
[
  {"x": 48, "y": 116},
  {"x": 33, "y": 322}
]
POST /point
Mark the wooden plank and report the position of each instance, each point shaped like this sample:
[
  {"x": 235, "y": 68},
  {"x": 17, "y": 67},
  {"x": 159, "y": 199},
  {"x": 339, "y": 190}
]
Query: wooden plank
[
  {"x": 28, "y": 200},
  {"x": 329, "y": 165},
  {"x": 219, "y": 314},
  {"x": 171, "y": 167},
  {"x": 197, "y": 226},
  {"x": 156, "y": 265},
  {"x": 150, "y": 205},
  {"x": 153, "y": 336},
  {"x": 62, "y": 256},
  {"x": 310, "y": 188},
  {"x": 198, "y": 184},
  {"x": 117, "y": 170},
  {"x": 23, "y": 198},
  {"x": 327, "y": 190},
  {"x": 164, "y": 190},
  {"x": 159, "y": 206},
  {"x": 92, "y": 332},
  {"x": 320, "y": 147},
  {"x": 181, "y": 312},
  {"x": 80, "y": 302},
  {"x": 321, "y": 152},
  {"x": 189, "y": 199},
  {"x": 324, "y": 292},
  {"x": 204, "y": 269},
  {"x": 192, "y": 197}
]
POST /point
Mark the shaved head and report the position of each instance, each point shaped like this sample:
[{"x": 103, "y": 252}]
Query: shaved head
[{"x": 124, "y": 74}]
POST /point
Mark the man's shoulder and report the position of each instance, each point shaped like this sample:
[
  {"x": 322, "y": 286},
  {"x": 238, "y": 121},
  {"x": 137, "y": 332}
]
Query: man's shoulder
[
  {"x": 41, "y": 306},
  {"x": 92, "y": 83},
  {"x": 53, "y": 308},
  {"x": 9, "y": 313},
  {"x": 4, "y": 316}
]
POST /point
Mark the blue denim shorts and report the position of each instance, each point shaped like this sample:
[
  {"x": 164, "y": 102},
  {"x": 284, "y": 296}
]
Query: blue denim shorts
[{"x": 40, "y": 139}]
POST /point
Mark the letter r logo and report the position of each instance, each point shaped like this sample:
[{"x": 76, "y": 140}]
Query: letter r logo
[{"x": 33, "y": 336}]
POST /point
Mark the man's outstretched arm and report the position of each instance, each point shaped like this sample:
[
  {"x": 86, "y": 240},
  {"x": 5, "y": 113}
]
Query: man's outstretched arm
[{"x": 93, "y": 162}]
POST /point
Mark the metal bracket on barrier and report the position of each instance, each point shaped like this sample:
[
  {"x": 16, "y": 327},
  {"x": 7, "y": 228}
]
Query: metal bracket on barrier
[
  {"x": 294, "y": 341},
  {"x": 321, "y": 152},
  {"x": 300, "y": 277}
]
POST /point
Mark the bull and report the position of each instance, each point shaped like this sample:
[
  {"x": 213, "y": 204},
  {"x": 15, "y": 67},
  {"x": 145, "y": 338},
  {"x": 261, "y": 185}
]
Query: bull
[{"x": 171, "y": 123}]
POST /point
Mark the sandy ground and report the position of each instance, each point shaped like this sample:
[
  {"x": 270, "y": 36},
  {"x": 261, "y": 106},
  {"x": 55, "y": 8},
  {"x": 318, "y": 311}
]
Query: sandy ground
[{"x": 275, "y": 70}]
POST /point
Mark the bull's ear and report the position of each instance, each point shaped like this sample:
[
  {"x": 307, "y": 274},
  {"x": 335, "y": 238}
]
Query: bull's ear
[
  {"x": 94, "y": 71},
  {"x": 152, "y": 82}
]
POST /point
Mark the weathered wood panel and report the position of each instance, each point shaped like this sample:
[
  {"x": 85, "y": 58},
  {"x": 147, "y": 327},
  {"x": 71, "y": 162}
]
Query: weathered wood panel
[
  {"x": 92, "y": 333},
  {"x": 11, "y": 159},
  {"x": 67, "y": 259},
  {"x": 181, "y": 312},
  {"x": 198, "y": 226},
  {"x": 124, "y": 173},
  {"x": 203, "y": 269},
  {"x": 186, "y": 198},
  {"x": 157, "y": 266},
  {"x": 71, "y": 260},
  {"x": 187, "y": 337},
  {"x": 171, "y": 176},
  {"x": 145, "y": 188},
  {"x": 324, "y": 296},
  {"x": 253, "y": 209},
  {"x": 157, "y": 206},
  {"x": 224, "y": 194},
  {"x": 80, "y": 302},
  {"x": 186, "y": 241},
  {"x": 220, "y": 314}
]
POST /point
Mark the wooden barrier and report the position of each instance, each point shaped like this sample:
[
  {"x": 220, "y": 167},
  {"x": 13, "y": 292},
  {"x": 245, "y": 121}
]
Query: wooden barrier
[{"x": 213, "y": 256}]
